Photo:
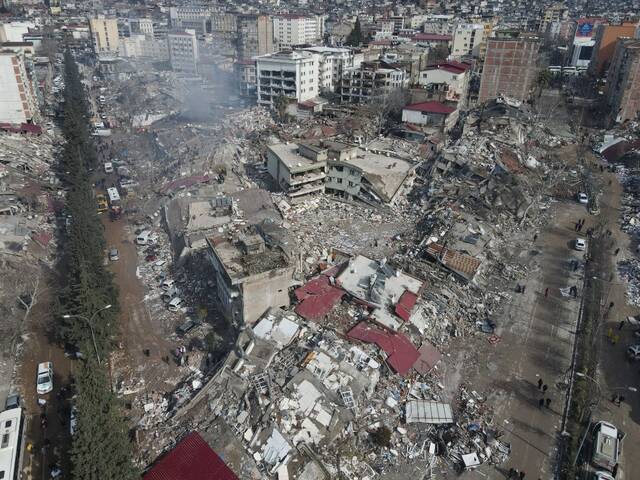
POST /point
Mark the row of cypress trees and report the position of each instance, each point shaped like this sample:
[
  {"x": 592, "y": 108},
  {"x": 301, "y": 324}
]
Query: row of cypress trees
[{"x": 101, "y": 447}]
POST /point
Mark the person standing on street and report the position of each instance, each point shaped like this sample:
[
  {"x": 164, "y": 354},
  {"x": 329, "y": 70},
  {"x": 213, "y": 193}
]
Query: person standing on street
[{"x": 540, "y": 382}]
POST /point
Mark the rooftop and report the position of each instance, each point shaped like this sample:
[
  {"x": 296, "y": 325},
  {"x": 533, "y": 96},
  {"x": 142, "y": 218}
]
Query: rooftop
[
  {"x": 247, "y": 254},
  {"x": 288, "y": 154},
  {"x": 431, "y": 107},
  {"x": 191, "y": 459}
]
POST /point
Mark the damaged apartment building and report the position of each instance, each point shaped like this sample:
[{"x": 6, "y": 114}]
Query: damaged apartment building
[
  {"x": 370, "y": 174},
  {"x": 254, "y": 269}
]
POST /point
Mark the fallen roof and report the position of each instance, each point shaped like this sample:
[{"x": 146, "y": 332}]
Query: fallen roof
[
  {"x": 464, "y": 265},
  {"x": 431, "y": 107},
  {"x": 429, "y": 357},
  {"x": 426, "y": 411},
  {"x": 191, "y": 459},
  {"x": 401, "y": 354},
  {"x": 405, "y": 305},
  {"x": 318, "y": 296}
]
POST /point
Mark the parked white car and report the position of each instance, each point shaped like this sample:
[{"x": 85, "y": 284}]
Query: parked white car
[
  {"x": 582, "y": 198},
  {"x": 45, "y": 378},
  {"x": 580, "y": 244}
]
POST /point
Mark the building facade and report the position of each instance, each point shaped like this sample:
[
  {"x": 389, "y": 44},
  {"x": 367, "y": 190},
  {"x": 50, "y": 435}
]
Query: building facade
[
  {"x": 18, "y": 99},
  {"x": 183, "y": 51},
  {"x": 467, "y": 39},
  {"x": 255, "y": 36},
  {"x": 452, "y": 78},
  {"x": 292, "y": 74},
  {"x": 510, "y": 67},
  {"x": 623, "y": 81},
  {"x": 142, "y": 26},
  {"x": 104, "y": 33},
  {"x": 299, "y": 170},
  {"x": 604, "y": 47},
  {"x": 333, "y": 61},
  {"x": 369, "y": 80},
  {"x": 290, "y": 30},
  {"x": 191, "y": 17}
]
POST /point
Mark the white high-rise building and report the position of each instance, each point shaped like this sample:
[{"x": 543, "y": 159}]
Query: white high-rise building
[
  {"x": 333, "y": 61},
  {"x": 467, "y": 38},
  {"x": 18, "y": 102},
  {"x": 292, "y": 74},
  {"x": 289, "y": 30}
]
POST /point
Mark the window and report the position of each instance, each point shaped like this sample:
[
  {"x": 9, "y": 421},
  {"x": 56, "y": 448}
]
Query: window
[
  {"x": 351, "y": 184},
  {"x": 5, "y": 441},
  {"x": 339, "y": 180}
]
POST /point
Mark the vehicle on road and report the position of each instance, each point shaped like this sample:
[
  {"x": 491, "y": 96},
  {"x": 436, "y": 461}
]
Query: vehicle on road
[
  {"x": 45, "y": 378},
  {"x": 633, "y": 352},
  {"x": 114, "y": 255},
  {"x": 175, "y": 304},
  {"x": 606, "y": 445},
  {"x": 108, "y": 167},
  {"x": 73, "y": 420},
  {"x": 143, "y": 237},
  {"x": 600, "y": 475},
  {"x": 580, "y": 244},
  {"x": 187, "y": 326},
  {"x": 12, "y": 401},
  {"x": 11, "y": 451},
  {"x": 582, "y": 198}
]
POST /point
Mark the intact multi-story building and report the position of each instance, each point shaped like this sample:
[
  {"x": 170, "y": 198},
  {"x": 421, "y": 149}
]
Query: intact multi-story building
[
  {"x": 255, "y": 36},
  {"x": 18, "y": 100},
  {"x": 292, "y": 74},
  {"x": 191, "y": 17},
  {"x": 467, "y": 39},
  {"x": 333, "y": 61},
  {"x": 290, "y": 30},
  {"x": 510, "y": 66},
  {"x": 224, "y": 27},
  {"x": 183, "y": 51},
  {"x": 142, "y": 26},
  {"x": 370, "y": 80},
  {"x": 623, "y": 80},
  {"x": 140, "y": 45},
  {"x": 104, "y": 33},
  {"x": 604, "y": 47},
  {"x": 552, "y": 18},
  {"x": 451, "y": 79}
]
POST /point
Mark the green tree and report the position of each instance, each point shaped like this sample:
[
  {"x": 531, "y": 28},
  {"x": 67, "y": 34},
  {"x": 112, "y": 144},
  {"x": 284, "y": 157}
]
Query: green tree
[
  {"x": 101, "y": 446},
  {"x": 354, "y": 39}
]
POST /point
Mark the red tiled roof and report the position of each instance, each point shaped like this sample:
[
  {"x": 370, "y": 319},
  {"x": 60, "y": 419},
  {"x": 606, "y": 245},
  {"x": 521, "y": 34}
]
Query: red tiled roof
[
  {"x": 453, "y": 67},
  {"x": 434, "y": 37},
  {"x": 318, "y": 297},
  {"x": 191, "y": 459},
  {"x": 401, "y": 354},
  {"x": 460, "y": 263},
  {"x": 431, "y": 107},
  {"x": 405, "y": 305}
]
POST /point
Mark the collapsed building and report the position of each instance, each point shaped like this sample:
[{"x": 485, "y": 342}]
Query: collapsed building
[{"x": 371, "y": 175}]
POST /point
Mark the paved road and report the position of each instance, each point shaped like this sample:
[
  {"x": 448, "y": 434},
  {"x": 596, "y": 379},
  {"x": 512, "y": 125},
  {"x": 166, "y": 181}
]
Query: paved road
[
  {"x": 537, "y": 333},
  {"x": 615, "y": 372}
]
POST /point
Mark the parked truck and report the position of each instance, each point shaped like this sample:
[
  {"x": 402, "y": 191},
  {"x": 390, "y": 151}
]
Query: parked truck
[{"x": 101, "y": 202}]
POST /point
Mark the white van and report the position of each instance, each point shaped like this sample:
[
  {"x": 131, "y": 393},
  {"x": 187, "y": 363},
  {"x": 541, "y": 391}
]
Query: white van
[
  {"x": 167, "y": 284},
  {"x": 175, "y": 304},
  {"x": 108, "y": 167},
  {"x": 606, "y": 445},
  {"x": 143, "y": 237}
]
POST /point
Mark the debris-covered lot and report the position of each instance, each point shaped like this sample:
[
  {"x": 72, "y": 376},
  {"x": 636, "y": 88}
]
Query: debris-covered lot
[{"x": 357, "y": 364}]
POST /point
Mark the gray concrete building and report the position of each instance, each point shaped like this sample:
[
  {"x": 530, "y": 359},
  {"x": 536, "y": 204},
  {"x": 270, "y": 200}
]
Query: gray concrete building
[{"x": 253, "y": 270}]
